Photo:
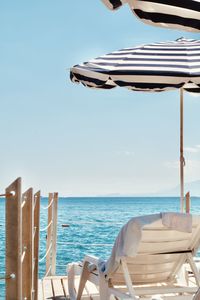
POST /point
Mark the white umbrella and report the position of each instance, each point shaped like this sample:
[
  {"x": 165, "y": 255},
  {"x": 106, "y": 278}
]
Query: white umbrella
[
  {"x": 178, "y": 14},
  {"x": 153, "y": 67}
]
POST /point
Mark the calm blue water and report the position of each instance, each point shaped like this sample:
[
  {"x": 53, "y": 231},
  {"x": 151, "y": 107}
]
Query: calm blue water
[{"x": 91, "y": 221}]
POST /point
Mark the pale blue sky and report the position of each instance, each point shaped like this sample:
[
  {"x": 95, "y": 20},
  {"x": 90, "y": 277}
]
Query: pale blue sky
[{"x": 63, "y": 137}]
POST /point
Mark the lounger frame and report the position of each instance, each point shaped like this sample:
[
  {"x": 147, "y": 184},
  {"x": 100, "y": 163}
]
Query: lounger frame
[{"x": 159, "y": 268}]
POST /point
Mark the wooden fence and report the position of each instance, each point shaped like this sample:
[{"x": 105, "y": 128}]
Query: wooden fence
[
  {"x": 51, "y": 234},
  {"x": 22, "y": 231},
  {"x": 22, "y": 242}
]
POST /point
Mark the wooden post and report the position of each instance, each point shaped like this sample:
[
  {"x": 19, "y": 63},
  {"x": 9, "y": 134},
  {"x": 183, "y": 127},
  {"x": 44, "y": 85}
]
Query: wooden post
[
  {"x": 14, "y": 241},
  {"x": 49, "y": 235},
  {"x": 36, "y": 244},
  {"x": 187, "y": 202},
  {"x": 54, "y": 233},
  {"x": 27, "y": 244},
  {"x": 182, "y": 160}
]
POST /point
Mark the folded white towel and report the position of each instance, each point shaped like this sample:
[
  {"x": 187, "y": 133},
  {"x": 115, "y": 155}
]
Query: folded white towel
[
  {"x": 129, "y": 237},
  {"x": 177, "y": 221},
  {"x": 127, "y": 242}
]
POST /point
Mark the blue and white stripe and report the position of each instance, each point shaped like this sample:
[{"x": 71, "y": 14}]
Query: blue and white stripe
[
  {"x": 178, "y": 14},
  {"x": 152, "y": 67}
]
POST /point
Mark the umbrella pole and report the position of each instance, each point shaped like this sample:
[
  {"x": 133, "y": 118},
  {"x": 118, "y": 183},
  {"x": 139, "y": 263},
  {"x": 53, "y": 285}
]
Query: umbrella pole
[{"x": 182, "y": 160}]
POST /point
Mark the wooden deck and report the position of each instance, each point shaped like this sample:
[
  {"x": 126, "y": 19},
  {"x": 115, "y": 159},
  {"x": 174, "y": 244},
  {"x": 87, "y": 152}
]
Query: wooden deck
[{"x": 56, "y": 288}]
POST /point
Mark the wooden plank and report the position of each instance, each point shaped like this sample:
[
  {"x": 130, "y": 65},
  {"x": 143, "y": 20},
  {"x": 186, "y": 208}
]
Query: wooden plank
[
  {"x": 56, "y": 277},
  {"x": 187, "y": 202},
  {"x": 152, "y": 236},
  {"x": 54, "y": 233},
  {"x": 148, "y": 268},
  {"x": 145, "y": 259},
  {"x": 146, "y": 278},
  {"x": 57, "y": 287},
  {"x": 47, "y": 289},
  {"x": 49, "y": 234},
  {"x": 36, "y": 243},
  {"x": 58, "y": 291},
  {"x": 14, "y": 241},
  {"x": 65, "y": 287},
  {"x": 157, "y": 247},
  {"x": 27, "y": 240}
]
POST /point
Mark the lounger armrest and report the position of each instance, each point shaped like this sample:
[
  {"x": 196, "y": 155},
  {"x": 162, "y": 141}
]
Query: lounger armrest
[
  {"x": 92, "y": 262},
  {"x": 91, "y": 259}
]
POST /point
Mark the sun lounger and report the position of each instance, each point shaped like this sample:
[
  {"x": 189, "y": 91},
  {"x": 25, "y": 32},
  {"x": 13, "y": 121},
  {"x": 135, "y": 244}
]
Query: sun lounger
[{"x": 148, "y": 260}]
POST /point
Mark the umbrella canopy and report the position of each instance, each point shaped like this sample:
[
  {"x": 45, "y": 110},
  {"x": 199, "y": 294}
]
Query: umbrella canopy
[
  {"x": 178, "y": 14},
  {"x": 153, "y": 67}
]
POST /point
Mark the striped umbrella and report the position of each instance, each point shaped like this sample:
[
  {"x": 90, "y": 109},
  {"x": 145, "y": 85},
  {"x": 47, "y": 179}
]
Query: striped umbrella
[
  {"x": 178, "y": 14},
  {"x": 153, "y": 67}
]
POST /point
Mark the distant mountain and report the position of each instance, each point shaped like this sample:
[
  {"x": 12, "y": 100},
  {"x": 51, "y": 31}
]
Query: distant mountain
[
  {"x": 193, "y": 187},
  {"x": 114, "y": 195}
]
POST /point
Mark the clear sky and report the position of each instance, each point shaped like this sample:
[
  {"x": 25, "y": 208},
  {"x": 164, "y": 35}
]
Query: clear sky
[{"x": 59, "y": 136}]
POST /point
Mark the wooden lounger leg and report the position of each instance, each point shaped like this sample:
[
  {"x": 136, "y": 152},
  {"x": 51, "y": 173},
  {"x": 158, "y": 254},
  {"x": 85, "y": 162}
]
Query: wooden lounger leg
[
  {"x": 197, "y": 295},
  {"x": 103, "y": 288},
  {"x": 83, "y": 279},
  {"x": 71, "y": 278}
]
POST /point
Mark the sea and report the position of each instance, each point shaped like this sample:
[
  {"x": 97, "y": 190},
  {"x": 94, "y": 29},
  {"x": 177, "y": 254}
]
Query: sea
[{"x": 92, "y": 226}]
